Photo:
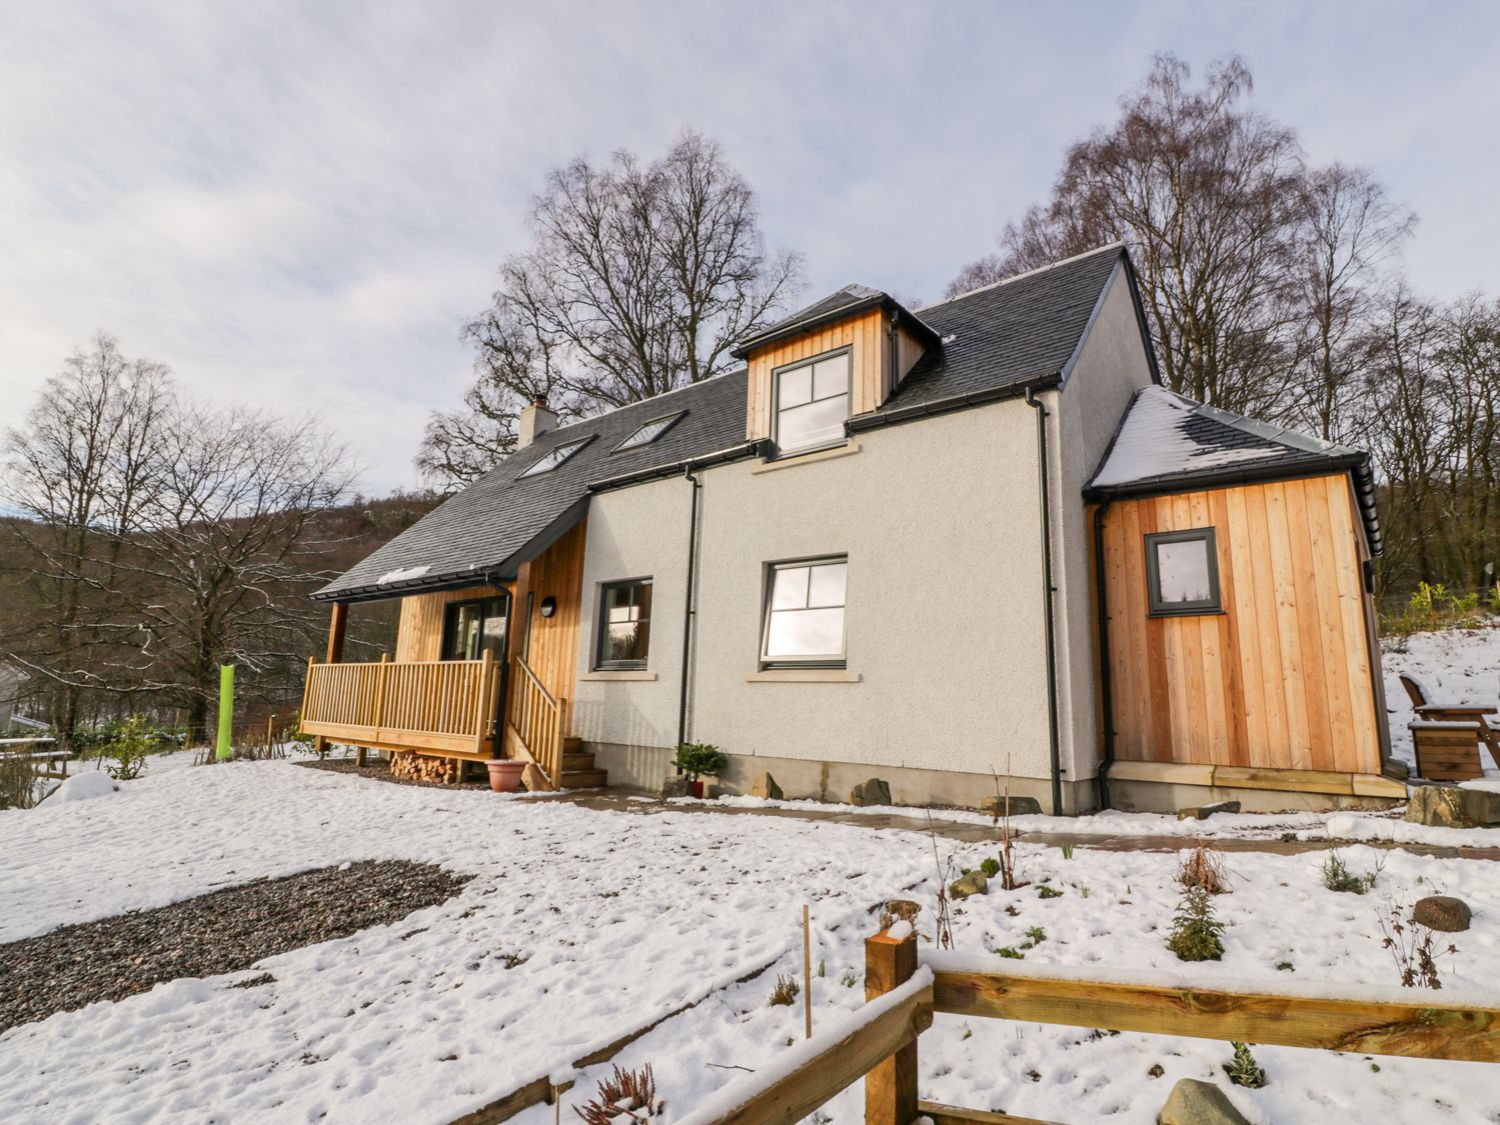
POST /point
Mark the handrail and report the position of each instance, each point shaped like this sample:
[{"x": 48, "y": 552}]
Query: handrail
[
  {"x": 537, "y": 720},
  {"x": 535, "y": 679}
]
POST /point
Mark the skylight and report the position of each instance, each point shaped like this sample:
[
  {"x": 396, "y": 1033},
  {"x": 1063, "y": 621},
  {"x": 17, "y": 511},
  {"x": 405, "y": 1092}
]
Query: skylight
[
  {"x": 650, "y": 431},
  {"x": 554, "y": 458}
]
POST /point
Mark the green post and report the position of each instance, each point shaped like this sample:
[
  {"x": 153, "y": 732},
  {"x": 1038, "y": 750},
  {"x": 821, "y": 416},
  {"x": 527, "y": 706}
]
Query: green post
[{"x": 226, "y": 711}]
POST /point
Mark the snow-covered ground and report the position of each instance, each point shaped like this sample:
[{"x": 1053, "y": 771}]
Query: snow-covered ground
[{"x": 611, "y": 919}]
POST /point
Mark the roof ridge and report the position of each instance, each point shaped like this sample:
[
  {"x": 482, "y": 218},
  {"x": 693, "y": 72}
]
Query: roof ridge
[{"x": 1116, "y": 245}]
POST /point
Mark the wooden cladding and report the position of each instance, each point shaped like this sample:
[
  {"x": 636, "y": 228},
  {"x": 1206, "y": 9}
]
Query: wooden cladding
[
  {"x": 420, "y": 633},
  {"x": 870, "y": 381},
  {"x": 1283, "y": 678},
  {"x": 552, "y": 648}
]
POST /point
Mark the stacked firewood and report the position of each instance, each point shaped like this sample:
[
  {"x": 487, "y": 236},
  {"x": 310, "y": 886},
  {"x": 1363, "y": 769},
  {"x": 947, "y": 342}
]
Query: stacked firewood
[{"x": 420, "y": 767}]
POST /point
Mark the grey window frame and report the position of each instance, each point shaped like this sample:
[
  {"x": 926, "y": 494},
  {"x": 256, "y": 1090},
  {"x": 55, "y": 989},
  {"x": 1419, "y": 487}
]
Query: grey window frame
[
  {"x": 788, "y": 368},
  {"x": 601, "y": 627},
  {"x": 569, "y": 449},
  {"x": 768, "y": 663},
  {"x": 671, "y": 420},
  {"x": 1212, "y": 604}
]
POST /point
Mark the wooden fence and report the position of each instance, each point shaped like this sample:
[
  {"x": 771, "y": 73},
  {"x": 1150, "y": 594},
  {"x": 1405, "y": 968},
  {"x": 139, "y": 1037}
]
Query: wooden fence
[
  {"x": 438, "y": 705},
  {"x": 882, "y": 1047}
]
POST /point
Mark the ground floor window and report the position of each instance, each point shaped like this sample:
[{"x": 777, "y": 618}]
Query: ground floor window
[
  {"x": 1182, "y": 572},
  {"x": 804, "y": 616},
  {"x": 624, "y": 624},
  {"x": 470, "y": 629}
]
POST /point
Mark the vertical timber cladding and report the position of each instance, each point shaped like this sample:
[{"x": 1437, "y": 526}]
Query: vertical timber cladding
[
  {"x": 866, "y": 335},
  {"x": 1283, "y": 678},
  {"x": 419, "y": 635},
  {"x": 558, "y": 573}
]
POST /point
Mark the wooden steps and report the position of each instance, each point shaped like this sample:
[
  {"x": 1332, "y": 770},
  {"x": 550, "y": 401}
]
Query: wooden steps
[{"x": 578, "y": 767}]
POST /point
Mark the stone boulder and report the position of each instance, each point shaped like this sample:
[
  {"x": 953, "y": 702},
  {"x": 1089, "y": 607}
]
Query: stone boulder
[
  {"x": 1203, "y": 812},
  {"x": 678, "y": 786},
  {"x": 1448, "y": 806},
  {"x": 872, "y": 792},
  {"x": 1442, "y": 912},
  {"x": 1017, "y": 806},
  {"x": 765, "y": 786},
  {"x": 974, "y": 883},
  {"x": 1193, "y": 1102}
]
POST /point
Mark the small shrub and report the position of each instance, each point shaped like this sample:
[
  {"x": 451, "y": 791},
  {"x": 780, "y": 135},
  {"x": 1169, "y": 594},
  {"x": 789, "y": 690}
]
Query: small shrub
[
  {"x": 849, "y": 979},
  {"x": 129, "y": 747},
  {"x": 1067, "y": 851},
  {"x": 786, "y": 990},
  {"x": 1011, "y": 952},
  {"x": 1285, "y": 967},
  {"x": 1243, "y": 1069},
  {"x": 1044, "y": 891},
  {"x": 627, "y": 1095},
  {"x": 699, "y": 758},
  {"x": 1196, "y": 932},
  {"x": 1413, "y": 947},
  {"x": 1036, "y": 935},
  {"x": 990, "y": 867},
  {"x": 1204, "y": 867},
  {"x": 1338, "y": 877},
  {"x": 18, "y": 782}
]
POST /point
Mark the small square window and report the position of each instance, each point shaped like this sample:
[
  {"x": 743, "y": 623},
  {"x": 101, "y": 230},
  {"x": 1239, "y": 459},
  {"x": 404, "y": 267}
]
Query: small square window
[
  {"x": 1182, "y": 572},
  {"x": 624, "y": 639},
  {"x": 812, "y": 403},
  {"x": 805, "y": 614}
]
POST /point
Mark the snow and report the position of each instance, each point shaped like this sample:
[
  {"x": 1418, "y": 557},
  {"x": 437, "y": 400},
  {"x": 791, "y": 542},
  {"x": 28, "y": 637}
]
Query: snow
[
  {"x": 83, "y": 787},
  {"x": 612, "y": 920},
  {"x": 404, "y": 575},
  {"x": 1455, "y": 665}
]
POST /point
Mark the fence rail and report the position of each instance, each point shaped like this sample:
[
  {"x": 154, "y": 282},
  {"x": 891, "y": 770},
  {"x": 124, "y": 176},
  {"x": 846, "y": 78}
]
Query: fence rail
[
  {"x": 1412, "y": 1024},
  {"x": 537, "y": 724},
  {"x": 440, "y": 705}
]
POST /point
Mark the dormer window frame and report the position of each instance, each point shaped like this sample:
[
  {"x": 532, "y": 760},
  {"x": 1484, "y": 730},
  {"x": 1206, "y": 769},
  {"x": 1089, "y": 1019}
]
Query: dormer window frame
[
  {"x": 563, "y": 453},
  {"x": 778, "y": 374}
]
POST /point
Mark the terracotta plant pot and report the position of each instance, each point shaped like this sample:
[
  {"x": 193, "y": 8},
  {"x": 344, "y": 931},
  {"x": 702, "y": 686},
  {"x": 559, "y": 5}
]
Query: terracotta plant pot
[{"x": 505, "y": 775}]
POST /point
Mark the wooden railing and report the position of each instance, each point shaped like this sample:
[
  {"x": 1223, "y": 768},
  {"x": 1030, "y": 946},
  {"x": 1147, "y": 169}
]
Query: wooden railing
[
  {"x": 444, "y": 706},
  {"x": 537, "y": 724},
  {"x": 880, "y": 1044}
]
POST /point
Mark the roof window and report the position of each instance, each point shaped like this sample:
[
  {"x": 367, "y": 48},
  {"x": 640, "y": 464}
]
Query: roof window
[
  {"x": 650, "y": 431},
  {"x": 554, "y": 457}
]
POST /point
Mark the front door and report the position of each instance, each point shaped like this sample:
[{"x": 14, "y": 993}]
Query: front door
[{"x": 473, "y": 628}]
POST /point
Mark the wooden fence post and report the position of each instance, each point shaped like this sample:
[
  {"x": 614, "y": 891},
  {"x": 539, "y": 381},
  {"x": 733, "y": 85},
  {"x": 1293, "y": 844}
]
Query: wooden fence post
[{"x": 891, "y": 1088}]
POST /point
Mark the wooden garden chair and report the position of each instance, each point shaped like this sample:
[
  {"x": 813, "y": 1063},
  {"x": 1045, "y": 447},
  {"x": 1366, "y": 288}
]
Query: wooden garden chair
[
  {"x": 1447, "y": 751},
  {"x": 1429, "y": 711}
]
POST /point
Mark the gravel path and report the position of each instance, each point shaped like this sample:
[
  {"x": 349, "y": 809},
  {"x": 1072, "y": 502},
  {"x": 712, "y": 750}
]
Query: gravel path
[{"x": 221, "y": 932}]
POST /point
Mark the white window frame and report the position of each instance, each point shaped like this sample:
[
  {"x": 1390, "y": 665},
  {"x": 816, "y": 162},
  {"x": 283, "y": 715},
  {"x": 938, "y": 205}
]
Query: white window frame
[
  {"x": 818, "y": 660},
  {"x": 848, "y": 394}
]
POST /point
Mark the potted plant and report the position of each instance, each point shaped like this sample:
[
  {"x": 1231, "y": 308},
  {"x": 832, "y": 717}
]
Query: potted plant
[
  {"x": 699, "y": 760},
  {"x": 505, "y": 774}
]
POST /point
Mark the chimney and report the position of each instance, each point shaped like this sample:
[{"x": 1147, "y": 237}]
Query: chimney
[{"x": 536, "y": 420}]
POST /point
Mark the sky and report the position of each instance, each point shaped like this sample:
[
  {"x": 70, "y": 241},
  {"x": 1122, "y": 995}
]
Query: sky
[{"x": 300, "y": 205}]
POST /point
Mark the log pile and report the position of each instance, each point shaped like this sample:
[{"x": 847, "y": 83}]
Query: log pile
[{"x": 420, "y": 767}]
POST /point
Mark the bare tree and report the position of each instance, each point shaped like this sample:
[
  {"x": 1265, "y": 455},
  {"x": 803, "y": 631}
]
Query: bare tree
[{"x": 639, "y": 279}]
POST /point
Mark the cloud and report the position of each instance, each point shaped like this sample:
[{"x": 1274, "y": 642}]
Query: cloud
[{"x": 300, "y": 205}]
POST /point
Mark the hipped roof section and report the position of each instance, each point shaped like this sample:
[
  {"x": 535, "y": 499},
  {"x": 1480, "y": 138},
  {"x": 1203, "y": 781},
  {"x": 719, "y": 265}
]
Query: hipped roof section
[
  {"x": 984, "y": 345},
  {"x": 1169, "y": 443}
]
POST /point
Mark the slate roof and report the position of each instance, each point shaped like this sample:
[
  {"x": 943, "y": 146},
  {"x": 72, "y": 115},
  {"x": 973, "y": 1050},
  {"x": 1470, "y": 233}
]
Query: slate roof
[
  {"x": 986, "y": 344},
  {"x": 504, "y": 518},
  {"x": 1169, "y": 443}
]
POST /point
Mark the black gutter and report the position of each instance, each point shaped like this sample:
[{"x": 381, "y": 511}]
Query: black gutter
[
  {"x": 689, "y": 465},
  {"x": 1106, "y": 682},
  {"x": 1049, "y": 593},
  {"x": 874, "y": 421},
  {"x": 688, "y": 609}
]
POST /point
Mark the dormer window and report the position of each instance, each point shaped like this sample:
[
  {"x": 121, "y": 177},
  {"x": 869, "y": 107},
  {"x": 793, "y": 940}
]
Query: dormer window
[
  {"x": 650, "y": 431},
  {"x": 812, "y": 403},
  {"x": 553, "y": 458}
]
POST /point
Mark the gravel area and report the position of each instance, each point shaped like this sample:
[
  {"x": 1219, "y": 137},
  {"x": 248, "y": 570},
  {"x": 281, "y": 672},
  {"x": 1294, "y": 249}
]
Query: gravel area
[
  {"x": 221, "y": 932},
  {"x": 381, "y": 771}
]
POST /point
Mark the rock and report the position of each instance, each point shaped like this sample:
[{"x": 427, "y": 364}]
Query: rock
[
  {"x": 1203, "y": 812},
  {"x": 1442, "y": 912},
  {"x": 678, "y": 786},
  {"x": 1448, "y": 806},
  {"x": 1017, "y": 806},
  {"x": 872, "y": 792},
  {"x": 765, "y": 786},
  {"x": 974, "y": 883},
  {"x": 1193, "y": 1102}
]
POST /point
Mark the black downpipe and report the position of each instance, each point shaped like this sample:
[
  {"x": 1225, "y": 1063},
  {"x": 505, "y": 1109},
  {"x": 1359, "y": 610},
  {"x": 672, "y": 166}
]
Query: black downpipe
[
  {"x": 1049, "y": 592},
  {"x": 1106, "y": 684},
  {"x": 688, "y": 608}
]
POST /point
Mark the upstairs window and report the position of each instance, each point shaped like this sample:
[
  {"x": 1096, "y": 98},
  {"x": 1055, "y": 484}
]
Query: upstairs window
[
  {"x": 650, "y": 431},
  {"x": 624, "y": 624},
  {"x": 1182, "y": 572},
  {"x": 805, "y": 613},
  {"x": 812, "y": 403},
  {"x": 554, "y": 457}
]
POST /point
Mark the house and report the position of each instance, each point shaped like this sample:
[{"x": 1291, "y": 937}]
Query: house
[{"x": 933, "y": 546}]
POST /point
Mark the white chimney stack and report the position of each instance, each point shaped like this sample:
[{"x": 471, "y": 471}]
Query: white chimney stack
[{"x": 536, "y": 420}]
